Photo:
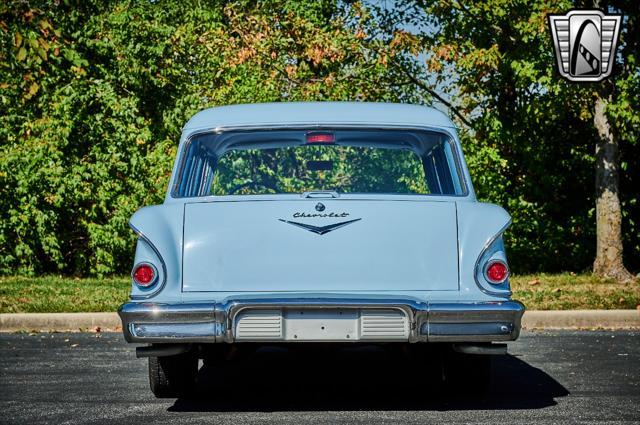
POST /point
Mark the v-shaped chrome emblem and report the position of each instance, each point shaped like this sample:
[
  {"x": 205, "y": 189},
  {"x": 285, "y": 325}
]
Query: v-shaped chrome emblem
[{"x": 320, "y": 230}]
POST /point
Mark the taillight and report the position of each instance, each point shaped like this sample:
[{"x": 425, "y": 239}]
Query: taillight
[
  {"x": 144, "y": 274},
  {"x": 496, "y": 272}
]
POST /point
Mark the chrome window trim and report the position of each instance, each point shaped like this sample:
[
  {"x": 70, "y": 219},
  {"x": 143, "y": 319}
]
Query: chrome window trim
[
  {"x": 405, "y": 197},
  {"x": 325, "y": 126},
  {"x": 160, "y": 285},
  {"x": 476, "y": 268}
]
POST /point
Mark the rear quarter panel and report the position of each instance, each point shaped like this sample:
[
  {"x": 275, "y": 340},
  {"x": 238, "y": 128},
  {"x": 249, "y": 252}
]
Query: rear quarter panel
[
  {"x": 479, "y": 224},
  {"x": 159, "y": 230}
]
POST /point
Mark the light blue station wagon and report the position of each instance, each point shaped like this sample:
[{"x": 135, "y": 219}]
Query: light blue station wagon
[{"x": 329, "y": 222}]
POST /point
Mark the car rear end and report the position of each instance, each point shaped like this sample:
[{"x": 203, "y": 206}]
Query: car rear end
[{"x": 319, "y": 233}]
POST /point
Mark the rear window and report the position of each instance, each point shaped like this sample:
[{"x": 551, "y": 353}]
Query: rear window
[{"x": 297, "y": 161}]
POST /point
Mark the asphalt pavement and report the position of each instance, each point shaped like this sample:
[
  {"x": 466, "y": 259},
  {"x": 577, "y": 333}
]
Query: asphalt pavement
[{"x": 547, "y": 377}]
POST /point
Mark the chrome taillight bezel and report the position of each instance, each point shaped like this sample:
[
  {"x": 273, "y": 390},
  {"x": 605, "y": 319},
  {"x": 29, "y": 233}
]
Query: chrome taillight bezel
[
  {"x": 485, "y": 271},
  {"x": 145, "y": 285}
]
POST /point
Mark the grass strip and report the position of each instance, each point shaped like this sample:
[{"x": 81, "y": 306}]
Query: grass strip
[
  {"x": 53, "y": 294},
  {"x": 570, "y": 291}
]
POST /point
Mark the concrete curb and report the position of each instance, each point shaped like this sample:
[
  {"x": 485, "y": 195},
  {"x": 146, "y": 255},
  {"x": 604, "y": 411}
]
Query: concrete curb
[
  {"x": 535, "y": 319},
  {"x": 581, "y": 319},
  {"x": 12, "y": 322}
]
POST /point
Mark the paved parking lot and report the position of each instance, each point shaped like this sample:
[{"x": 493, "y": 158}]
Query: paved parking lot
[{"x": 548, "y": 377}]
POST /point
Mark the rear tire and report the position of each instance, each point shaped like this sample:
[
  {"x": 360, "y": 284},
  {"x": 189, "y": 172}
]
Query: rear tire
[
  {"x": 173, "y": 376},
  {"x": 466, "y": 374}
]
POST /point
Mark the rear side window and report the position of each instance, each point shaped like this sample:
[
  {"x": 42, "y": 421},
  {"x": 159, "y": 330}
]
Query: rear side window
[{"x": 297, "y": 161}]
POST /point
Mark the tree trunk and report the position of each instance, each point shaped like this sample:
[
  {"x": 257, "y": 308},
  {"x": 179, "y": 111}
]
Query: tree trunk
[{"x": 608, "y": 261}]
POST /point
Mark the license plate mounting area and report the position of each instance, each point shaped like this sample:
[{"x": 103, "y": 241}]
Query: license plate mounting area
[{"x": 321, "y": 324}]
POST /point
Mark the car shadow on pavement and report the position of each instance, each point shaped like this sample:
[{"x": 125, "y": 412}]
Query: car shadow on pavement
[{"x": 279, "y": 381}]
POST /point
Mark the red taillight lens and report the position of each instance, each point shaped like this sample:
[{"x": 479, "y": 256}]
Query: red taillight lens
[
  {"x": 144, "y": 274},
  {"x": 320, "y": 138},
  {"x": 497, "y": 272}
]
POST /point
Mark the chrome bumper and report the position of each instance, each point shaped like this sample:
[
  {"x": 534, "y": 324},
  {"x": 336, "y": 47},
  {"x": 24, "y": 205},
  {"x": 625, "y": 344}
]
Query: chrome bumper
[{"x": 427, "y": 321}]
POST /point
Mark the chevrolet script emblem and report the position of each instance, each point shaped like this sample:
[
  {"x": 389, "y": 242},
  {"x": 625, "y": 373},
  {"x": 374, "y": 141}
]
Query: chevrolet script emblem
[
  {"x": 320, "y": 230},
  {"x": 585, "y": 43}
]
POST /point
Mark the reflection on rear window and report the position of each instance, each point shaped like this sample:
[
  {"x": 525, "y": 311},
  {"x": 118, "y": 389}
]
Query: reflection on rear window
[
  {"x": 349, "y": 161},
  {"x": 300, "y": 169}
]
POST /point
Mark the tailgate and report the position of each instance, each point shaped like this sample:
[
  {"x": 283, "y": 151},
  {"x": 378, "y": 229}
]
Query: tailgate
[{"x": 332, "y": 245}]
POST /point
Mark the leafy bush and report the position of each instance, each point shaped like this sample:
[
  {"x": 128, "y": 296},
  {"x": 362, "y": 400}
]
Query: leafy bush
[{"x": 93, "y": 95}]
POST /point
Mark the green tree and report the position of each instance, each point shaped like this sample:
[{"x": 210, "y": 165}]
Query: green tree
[
  {"x": 529, "y": 134},
  {"x": 94, "y": 94}
]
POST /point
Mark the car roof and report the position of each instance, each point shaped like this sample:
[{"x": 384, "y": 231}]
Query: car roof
[{"x": 317, "y": 114}]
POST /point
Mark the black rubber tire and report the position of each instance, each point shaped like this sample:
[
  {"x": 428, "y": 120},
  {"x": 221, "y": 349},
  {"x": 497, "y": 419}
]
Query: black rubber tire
[
  {"x": 173, "y": 376},
  {"x": 466, "y": 374}
]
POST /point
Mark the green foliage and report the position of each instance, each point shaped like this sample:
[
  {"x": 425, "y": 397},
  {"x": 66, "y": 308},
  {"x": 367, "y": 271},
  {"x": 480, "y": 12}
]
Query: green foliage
[
  {"x": 93, "y": 95},
  {"x": 528, "y": 134}
]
